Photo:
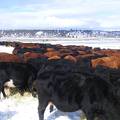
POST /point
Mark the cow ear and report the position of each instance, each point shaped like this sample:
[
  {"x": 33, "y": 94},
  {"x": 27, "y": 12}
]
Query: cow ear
[{"x": 82, "y": 80}]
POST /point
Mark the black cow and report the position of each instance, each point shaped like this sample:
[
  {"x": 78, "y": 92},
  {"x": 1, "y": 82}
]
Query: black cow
[
  {"x": 21, "y": 75},
  {"x": 111, "y": 75},
  {"x": 37, "y": 62},
  {"x": 70, "y": 88}
]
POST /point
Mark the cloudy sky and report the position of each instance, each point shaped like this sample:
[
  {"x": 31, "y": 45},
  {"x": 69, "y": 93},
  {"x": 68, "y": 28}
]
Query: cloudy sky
[{"x": 52, "y": 14}]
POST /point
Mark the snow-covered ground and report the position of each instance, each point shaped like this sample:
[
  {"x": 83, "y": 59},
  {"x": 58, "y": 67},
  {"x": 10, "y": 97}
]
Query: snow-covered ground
[
  {"x": 113, "y": 43},
  {"x": 6, "y": 49},
  {"x": 18, "y": 108},
  {"x": 25, "y": 107}
]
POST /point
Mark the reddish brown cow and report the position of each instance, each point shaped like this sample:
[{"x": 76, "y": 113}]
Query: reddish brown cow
[
  {"x": 54, "y": 58},
  {"x": 70, "y": 58},
  {"x": 24, "y": 45},
  {"x": 50, "y": 49},
  {"x": 82, "y": 52},
  {"x": 110, "y": 52},
  {"x": 52, "y": 53},
  {"x": 110, "y": 62},
  {"x": 6, "y": 57}
]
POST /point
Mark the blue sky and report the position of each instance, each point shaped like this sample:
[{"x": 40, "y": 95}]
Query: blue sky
[{"x": 52, "y": 14}]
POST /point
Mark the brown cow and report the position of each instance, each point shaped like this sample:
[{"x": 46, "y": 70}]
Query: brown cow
[
  {"x": 50, "y": 49},
  {"x": 54, "y": 57},
  {"x": 52, "y": 53},
  {"x": 110, "y": 52},
  {"x": 71, "y": 58},
  {"x": 6, "y": 57},
  {"x": 110, "y": 62},
  {"x": 29, "y": 55}
]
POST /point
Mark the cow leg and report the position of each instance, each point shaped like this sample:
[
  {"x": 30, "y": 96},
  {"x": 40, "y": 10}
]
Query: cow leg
[
  {"x": 88, "y": 112},
  {"x": 89, "y": 115},
  {"x": 51, "y": 107},
  {"x": 41, "y": 109},
  {"x": 21, "y": 90},
  {"x": 87, "y": 107},
  {"x": 3, "y": 92}
]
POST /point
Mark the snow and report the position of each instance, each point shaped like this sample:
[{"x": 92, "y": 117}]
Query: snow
[
  {"x": 6, "y": 49},
  {"x": 113, "y": 43},
  {"x": 39, "y": 33},
  {"x": 19, "y": 108},
  {"x": 25, "y": 107}
]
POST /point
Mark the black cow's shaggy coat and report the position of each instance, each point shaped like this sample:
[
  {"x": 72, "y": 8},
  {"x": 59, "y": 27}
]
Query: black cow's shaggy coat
[
  {"x": 71, "y": 88},
  {"x": 21, "y": 74}
]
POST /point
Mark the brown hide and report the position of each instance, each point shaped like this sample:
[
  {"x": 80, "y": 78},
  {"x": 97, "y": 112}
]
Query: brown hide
[
  {"x": 6, "y": 57},
  {"x": 51, "y": 54},
  {"x": 110, "y": 62},
  {"x": 70, "y": 58},
  {"x": 54, "y": 58},
  {"x": 29, "y": 55}
]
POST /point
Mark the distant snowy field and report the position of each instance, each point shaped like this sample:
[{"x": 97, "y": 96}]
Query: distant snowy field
[
  {"x": 113, "y": 43},
  {"x": 25, "y": 108}
]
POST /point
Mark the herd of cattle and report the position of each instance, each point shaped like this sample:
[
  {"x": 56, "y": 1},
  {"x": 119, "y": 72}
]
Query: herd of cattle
[{"x": 70, "y": 77}]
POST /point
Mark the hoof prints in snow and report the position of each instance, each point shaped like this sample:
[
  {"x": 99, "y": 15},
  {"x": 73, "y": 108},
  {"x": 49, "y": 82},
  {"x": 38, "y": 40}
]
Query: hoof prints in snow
[
  {"x": 7, "y": 115},
  {"x": 25, "y": 108},
  {"x": 21, "y": 108},
  {"x": 58, "y": 115}
]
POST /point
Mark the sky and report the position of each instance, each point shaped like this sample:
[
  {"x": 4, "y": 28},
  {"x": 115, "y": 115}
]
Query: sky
[{"x": 60, "y": 14}]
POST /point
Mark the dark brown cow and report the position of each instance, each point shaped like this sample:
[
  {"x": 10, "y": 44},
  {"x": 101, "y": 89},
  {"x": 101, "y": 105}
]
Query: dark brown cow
[
  {"x": 29, "y": 55},
  {"x": 82, "y": 52}
]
